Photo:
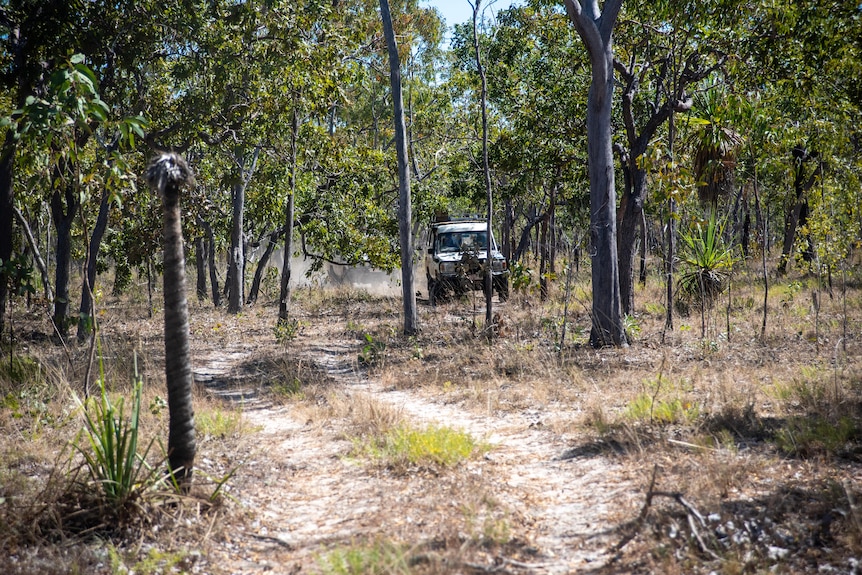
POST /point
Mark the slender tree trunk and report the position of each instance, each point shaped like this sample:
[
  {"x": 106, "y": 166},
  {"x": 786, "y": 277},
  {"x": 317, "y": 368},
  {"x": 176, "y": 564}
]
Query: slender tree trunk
[
  {"x": 86, "y": 308},
  {"x": 284, "y": 292},
  {"x": 37, "y": 257},
  {"x": 404, "y": 201},
  {"x": 670, "y": 248},
  {"x": 63, "y": 223},
  {"x": 543, "y": 258},
  {"x": 483, "y": 102},
  {"x": 211, "y": 258},
  {"x": 237, "y": 257},
  {"x": 643, "y": 247},
  {"x": 168, "y": 174},
  {"x": 507, "y": 236},
  {"x": 7, "y": 196},
  {"x": 273, "y": 237},
  {"x": 799, "y": 208},
  {"x": 200, "y": 268},
  {"x": 631, "y": 216}
]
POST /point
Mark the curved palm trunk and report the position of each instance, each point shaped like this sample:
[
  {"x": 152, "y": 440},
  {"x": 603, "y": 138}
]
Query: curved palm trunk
[{"x": 168, "y": 174}]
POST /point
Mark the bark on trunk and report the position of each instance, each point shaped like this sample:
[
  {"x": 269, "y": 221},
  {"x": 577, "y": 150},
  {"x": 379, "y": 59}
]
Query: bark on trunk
[
  {"x": 86, "y": 308},
  {"x": 595, "y": 31},
  {"x": 7, "y": 196},
  {"x": 284, "y": 292},
  {"x": 63, "y": 224},
  {"x": 169, "y": 174},
  {"x": 799, "y": 207},
  {"x": 404, "y": 201},
  {"x": 237, "y": 257},
  {"x": 211, "y": 259},
  {"x": 201, "y": 268},
  {"x": 273, "y": 237}
]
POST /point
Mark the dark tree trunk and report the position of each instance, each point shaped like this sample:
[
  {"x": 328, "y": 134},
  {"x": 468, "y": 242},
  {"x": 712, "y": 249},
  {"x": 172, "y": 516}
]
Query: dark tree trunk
[
  {"x": 799, "y": 208},
  {"x": 272, "y": 237},
  {"x": 506, "y": 235},
  {"x": 63, "y": 219},
  {"x": 211, "y": 258},
  {"x": 643, "y": 247},
  {"x": 404, "y": 201},
  {"x": 201, "y": 268},
  {"x": 236, "y": 255},
  {"x": 168, "y": 174},
  {"x": 86, "y": 308},
  {"x": 524, "y": 242},
  {"x": 284, "y": 291},
  {"x": 7, "y": 196},
  {"x": 631, "y": 218},
  {"x": 543, "y": 257}
]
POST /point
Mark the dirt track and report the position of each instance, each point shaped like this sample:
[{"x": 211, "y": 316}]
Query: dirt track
[{"x": 546, "y": 509}]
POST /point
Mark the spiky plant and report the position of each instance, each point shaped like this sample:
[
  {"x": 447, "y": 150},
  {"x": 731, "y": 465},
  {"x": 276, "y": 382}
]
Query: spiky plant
[
  {"x": 708, "y": 263},
  {"x": 168, "y": 174}
]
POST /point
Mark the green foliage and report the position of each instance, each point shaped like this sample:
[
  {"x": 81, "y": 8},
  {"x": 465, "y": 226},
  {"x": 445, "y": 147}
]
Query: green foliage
[
  {"x": 19, "y": 274},
  {"x": 218, "y": 422},
  {"x": 815, "y": 435},
  {"x": 402, "y": 447},
  {"x": 19, "y": 370},
  {"x": 371, "y": 559},
  {"x": 631, "y": 325},
  {"x": 708, "y": 264},
  {"x": 522, "y": 277},
  {"x": 154, "y": 562},
  {"x": 372, "y": 351},
  {"x": 110, "y": 447},
  {"x": 26, "y": 392},
  {"x": 650, "y": 406},
  {"x": 286, "y": 330}
]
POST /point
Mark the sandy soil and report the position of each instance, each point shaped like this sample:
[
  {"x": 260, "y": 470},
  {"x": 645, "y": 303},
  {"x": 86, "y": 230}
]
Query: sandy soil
[{"x": 553, "y": 513}]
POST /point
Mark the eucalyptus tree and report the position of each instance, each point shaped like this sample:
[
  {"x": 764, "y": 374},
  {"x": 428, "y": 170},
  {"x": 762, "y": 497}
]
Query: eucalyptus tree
[
  {"x": 404, "y": 200},
  {"x": 663, "y": 52},
  {"x": 813, "y": 85},
  {"x": 34, "y": 33},
  {"x": 596, "y": 27},
  {"x": 59, "y": 128},
  {"x": 534, "y": 66}
]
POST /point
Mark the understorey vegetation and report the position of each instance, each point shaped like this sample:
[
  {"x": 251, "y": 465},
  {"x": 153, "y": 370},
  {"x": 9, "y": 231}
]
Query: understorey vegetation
[
  {"x": 740, "y": 452},
  {"x": 661, "y": 373}
]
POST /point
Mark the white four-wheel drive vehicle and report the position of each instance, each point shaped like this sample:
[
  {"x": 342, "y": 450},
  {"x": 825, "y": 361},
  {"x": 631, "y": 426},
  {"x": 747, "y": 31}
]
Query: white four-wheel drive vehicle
[{"x": 455, "y": 256}]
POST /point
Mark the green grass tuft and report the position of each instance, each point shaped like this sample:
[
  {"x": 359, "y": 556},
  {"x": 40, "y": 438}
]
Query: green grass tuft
[{"x": 403, "y": 446}]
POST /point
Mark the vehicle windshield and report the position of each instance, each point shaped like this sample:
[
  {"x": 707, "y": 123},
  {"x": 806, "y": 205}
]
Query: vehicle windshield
[{"x": 462, "y": 241}]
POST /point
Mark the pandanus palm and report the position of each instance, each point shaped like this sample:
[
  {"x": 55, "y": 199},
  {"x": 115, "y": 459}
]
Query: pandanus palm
[{"x": 168, "y": 174}]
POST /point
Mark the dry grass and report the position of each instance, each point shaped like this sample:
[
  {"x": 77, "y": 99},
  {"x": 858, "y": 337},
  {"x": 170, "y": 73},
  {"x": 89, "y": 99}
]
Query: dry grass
[{"x": 762, "y": 433}]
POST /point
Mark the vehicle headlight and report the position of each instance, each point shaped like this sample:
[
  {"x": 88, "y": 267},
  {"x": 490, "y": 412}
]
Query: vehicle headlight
[
  {"x": 498, "y": 265},
  {"x": 447, "y": 267}
]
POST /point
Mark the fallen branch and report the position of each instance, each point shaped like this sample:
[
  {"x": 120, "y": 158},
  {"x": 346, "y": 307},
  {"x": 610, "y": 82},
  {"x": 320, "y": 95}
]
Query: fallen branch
[{"x": 693, "y": 515}]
